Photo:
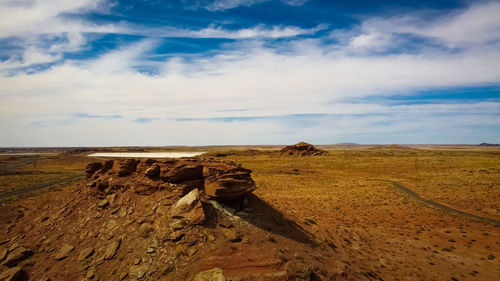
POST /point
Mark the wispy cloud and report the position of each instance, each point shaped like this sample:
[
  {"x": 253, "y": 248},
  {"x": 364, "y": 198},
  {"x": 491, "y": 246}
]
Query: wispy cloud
[
  {"x": 96, "y": 116},
  {"x": 475, "y": 25},
  {"x": 220, "y": 5},
  {"x": 258, "y": 31},
  {"x": 44, "y": 31}
]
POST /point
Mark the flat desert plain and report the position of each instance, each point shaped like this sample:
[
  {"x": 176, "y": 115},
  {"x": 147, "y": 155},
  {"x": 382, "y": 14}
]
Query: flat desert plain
[{"x": 340, "y": 216}]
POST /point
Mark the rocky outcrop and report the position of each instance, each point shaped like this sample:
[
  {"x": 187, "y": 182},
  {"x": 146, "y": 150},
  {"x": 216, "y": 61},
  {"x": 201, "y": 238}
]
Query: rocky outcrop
[
  {"x": 92, "y": 168},
  {"x": 127, "y": 167},
  {"x": 301, "y": 149},
  {"x": 182, "y": 172},
  {"x": 153, "y": 171},
  {"x": 219, "y": 180},
  {"x": 227, "y": 182}
]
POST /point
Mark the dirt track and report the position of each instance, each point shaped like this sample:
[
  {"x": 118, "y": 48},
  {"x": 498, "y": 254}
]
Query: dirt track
[
  {"x": 40, "y": 186},
  {"x": 444, "y": 207}
]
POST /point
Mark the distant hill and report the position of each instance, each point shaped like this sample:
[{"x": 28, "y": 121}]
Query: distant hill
[{"x": 489, "y": 144}]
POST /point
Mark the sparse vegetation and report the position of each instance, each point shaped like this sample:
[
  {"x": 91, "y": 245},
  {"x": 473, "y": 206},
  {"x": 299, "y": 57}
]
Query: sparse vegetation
[{"x": 364, "y": 227}]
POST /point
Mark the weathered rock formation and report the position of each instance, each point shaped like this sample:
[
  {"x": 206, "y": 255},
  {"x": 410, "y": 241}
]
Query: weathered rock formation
[
  {"x": 301, "y": 149},
  {"x": 219, "y": 180},
  {"x": 157, "y": 220}
]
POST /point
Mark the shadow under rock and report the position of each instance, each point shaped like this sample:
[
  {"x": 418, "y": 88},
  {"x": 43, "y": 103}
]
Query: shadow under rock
[{"x": 266, "y": 217}]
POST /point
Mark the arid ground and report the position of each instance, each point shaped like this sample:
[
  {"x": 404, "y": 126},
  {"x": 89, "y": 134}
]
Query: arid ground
[{"x": 339, "y": 213}]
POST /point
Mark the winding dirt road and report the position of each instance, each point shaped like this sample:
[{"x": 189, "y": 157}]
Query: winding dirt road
[
  {"x": 31, "y": 188},
  {"x": 444, "y": 207}
]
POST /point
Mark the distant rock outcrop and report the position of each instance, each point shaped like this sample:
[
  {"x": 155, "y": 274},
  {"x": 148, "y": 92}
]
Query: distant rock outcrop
[
  {"x": 301, "y": 149},
  {"x": 489, "y": 144}
]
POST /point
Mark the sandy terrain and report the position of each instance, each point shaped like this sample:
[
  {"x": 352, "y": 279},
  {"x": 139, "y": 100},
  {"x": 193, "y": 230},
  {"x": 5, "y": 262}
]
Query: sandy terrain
[{"x": 339, "y": 213}]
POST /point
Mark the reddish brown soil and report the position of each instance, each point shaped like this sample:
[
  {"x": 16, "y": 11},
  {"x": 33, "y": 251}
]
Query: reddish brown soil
[{"x": 345, "y": 228}]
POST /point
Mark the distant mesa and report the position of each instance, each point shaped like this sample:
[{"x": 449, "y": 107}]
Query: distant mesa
[
  {"x": 301, "y": 149},
  {"x": 397, "y": 146},
  {"x": 484, "y": 144},
  {"x": 347, "y": 144}
]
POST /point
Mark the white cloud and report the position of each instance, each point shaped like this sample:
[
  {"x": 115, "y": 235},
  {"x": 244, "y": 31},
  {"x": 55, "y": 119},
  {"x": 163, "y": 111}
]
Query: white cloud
[
  {"x": 212, "y": 31},
  {"x": 372, "y": 41},
  {"x": 259, "y": 31},
  {"x": 35, "y": 23},
  {"x": 220, "y": 5},
  {"x": 475, "y": 25},
  {"x": 43, "y": 16},
  {"x": 258, "y": 79}
]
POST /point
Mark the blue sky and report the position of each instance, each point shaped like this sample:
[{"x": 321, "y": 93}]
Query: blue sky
[{"x": 102, "y": 73}]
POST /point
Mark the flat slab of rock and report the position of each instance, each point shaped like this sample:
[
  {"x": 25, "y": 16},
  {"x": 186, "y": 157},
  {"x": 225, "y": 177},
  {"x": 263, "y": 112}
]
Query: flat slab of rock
[
  {"x": 112, "y": 249},
  {"x": 86, "y": 253},
  {"x": 227, "y": 182},
  {"x": 189, "y": 208},
  {"x": 3, "y": 253},
  {"x": 138, "y": 271},
  {"x": 145, "y": 229},
  {"x": 13, "y": 274},
  {"x": 215, "y": 274},
  {"x": 17, "y": 255},
  {"x": 183, "y": 172},
  {"x": 64, "y": 252}
]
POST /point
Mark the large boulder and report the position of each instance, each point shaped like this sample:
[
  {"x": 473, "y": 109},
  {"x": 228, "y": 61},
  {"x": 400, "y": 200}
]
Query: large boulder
[
  {"x": 153, "y": 171},
  {"x": 215, "y": 274},
  {"x": 127, "y": 167},
  {"x": 227, "y": 182},
  {"x": 189, "y": 209},
  {"x": 183, "y": 172},
  {"x": 91, "y": 168}
]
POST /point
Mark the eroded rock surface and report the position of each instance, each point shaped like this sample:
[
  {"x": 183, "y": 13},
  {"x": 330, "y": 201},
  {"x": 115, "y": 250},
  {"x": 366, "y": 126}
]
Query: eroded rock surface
[
  {"x": 17, "y": 255},
  {"x": 220, "y": 180},
  {"x": 13, "y": 274}
]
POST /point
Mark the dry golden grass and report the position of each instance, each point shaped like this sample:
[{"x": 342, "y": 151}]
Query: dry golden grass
[
  {"x": 347, "y": 197},
  {"x": 18, "y": 172},
  {"x": 465, "y": 179}
]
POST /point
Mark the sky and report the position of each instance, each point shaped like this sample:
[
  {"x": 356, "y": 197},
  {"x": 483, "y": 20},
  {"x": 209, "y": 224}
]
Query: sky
[{"x": 218, "y": 72}]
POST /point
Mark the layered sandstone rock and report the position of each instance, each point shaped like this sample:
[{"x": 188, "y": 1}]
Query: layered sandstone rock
[
  {"x": 228, "y": 181},
  {"x": 220, "y": 180}
]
